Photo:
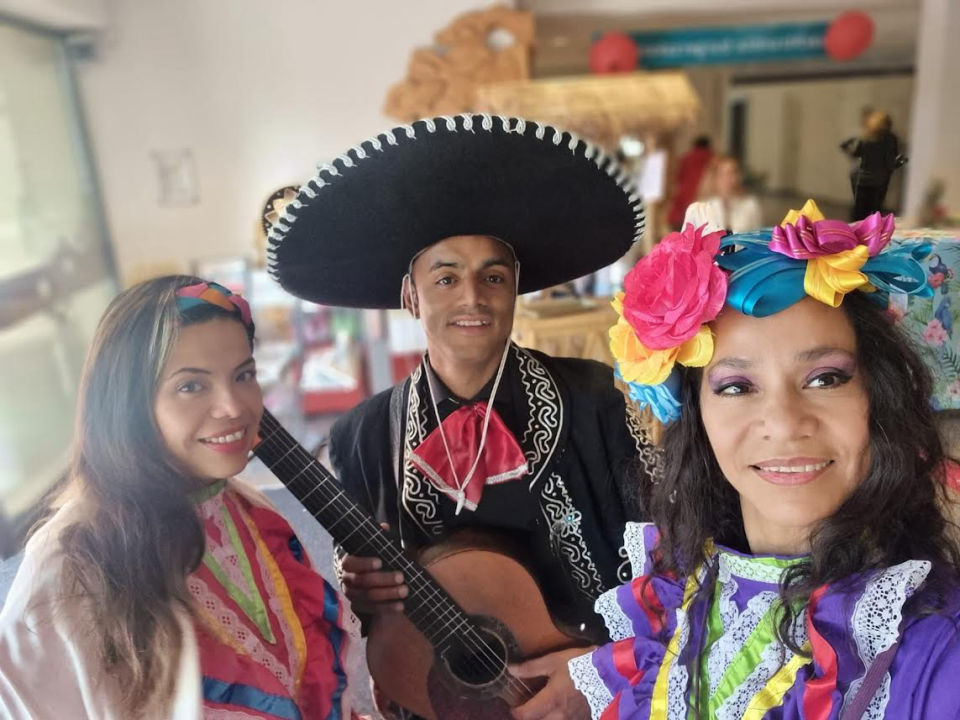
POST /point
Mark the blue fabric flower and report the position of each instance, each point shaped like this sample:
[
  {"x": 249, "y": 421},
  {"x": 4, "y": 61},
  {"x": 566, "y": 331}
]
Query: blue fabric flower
[{"x": 662, "y": 399}]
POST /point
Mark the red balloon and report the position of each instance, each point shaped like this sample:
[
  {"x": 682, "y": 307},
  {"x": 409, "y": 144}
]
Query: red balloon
[
  {"x": 614, "y": 52},
  {"x": 848, "y": 35}
]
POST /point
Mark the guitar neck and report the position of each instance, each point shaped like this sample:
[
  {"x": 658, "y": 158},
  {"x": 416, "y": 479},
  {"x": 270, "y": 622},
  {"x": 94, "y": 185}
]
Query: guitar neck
[{"x": 427, "y": 605}]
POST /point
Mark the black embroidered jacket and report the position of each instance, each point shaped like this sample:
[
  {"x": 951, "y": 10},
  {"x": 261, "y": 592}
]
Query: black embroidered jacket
[{"x": 587, "y": 456}]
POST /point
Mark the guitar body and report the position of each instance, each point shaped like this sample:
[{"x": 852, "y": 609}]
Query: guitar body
[{"x": 503, "y": 598}]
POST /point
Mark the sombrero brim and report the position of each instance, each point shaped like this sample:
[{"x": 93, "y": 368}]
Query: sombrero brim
[{"x": 564, "y": 206}]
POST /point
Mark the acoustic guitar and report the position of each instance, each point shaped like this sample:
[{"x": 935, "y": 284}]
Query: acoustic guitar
[{"x": 471, "y": 608}]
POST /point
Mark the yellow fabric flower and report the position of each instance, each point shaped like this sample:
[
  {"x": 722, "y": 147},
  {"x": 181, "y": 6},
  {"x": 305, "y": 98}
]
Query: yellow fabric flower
[
  {"x": 617, "y": 303},
  {"x": 697, "y": 351},
  {"x": 809, "y": 210},
  {"x": 637, "y": 362},
  {"x": 829, "y": 277}
]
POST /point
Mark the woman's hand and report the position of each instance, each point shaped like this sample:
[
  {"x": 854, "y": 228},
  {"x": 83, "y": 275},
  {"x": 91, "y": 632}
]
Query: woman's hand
[{"x": 559, "y": 699}]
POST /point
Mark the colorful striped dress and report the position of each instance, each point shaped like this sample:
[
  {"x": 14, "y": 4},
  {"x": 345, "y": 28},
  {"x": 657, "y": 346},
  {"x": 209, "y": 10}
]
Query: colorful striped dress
[
  {"x": 270, "y": 630},
  {"x": 661, "y": 628}
]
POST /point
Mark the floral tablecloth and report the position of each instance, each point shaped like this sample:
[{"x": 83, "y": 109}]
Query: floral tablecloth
[{"x": 934, "y": 323}]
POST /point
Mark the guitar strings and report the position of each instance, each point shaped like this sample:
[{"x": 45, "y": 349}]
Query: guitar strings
[
  {"x": 491, "y": 662},
  {"x": 374, "y": 528},
  {"x": 412, "y": 570},
  {"x": 477, "y": 642}
]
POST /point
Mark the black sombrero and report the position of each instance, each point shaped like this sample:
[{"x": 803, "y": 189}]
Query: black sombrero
[{"x": 565, "y": 207}]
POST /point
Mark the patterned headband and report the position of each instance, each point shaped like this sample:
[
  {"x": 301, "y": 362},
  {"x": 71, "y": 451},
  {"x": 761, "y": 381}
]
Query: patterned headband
[
  {"x": 672, "y": 293},
  {"x": 211, "y": 293}
]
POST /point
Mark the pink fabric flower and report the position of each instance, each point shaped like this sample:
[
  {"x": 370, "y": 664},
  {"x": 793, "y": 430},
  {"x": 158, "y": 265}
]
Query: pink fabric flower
[
  {"x": 671, "y": 292},
  {"x": 808, "y": 239},
  {"x": 934, "y": 334},
  {"x": 874, "y": 231}
]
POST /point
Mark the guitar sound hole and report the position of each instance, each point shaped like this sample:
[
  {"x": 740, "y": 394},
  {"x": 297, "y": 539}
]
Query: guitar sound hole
[{"x": 477, "y": 661}]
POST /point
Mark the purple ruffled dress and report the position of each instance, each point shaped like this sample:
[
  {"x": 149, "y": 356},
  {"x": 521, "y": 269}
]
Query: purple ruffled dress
[{"x": 660, "y": 629}]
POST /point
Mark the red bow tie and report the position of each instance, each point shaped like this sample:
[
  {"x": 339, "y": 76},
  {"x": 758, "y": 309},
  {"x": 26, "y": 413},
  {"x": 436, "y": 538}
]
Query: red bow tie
[{"x": 502, "y": 459}]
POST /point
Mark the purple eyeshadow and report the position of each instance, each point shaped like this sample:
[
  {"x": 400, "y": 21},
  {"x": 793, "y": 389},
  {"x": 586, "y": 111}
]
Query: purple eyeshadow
[
  {"x": 718, "y": 382},
  {"x": 839, "y": 363}
]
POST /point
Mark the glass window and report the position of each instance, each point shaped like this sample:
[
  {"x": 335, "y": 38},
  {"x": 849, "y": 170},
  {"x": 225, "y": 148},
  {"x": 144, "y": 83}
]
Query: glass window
[{"x": 56, "y": 274}]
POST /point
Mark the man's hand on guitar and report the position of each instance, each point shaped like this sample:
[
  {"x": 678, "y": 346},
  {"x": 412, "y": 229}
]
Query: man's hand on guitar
[
  {"x": 559, "y": 699},
  {"x": 371, "y": 590}
]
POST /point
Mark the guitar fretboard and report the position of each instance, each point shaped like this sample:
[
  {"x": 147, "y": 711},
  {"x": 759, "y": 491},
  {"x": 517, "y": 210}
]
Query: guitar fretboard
[{"x": 428, "y": 605}]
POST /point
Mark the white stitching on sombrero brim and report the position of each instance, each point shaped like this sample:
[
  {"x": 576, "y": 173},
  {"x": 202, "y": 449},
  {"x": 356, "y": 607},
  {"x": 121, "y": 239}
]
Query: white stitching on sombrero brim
[{"x": 448, "y": 123}]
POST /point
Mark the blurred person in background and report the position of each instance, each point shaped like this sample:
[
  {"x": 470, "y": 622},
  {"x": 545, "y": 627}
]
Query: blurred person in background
[
  {"x": 865, "y": 112},
  {"x": 878, "y": 153},
  {"x": 725, "y": 204},
  {"x": 690, "y": 172}
]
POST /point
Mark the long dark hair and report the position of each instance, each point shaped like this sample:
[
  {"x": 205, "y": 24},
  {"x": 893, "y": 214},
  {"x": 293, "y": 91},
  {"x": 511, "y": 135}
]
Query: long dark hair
[
  {"x": 134, "y": 535},
  {"x": 894, "y": 515}
]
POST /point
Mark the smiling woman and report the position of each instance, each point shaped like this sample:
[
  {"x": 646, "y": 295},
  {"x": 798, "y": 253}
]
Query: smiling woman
[
  {"x": 785, "y": 408},
  {"x": 160, "y": 586},
  {"x": 799, "y": 564},
  {"x": 208, "y": 402}
]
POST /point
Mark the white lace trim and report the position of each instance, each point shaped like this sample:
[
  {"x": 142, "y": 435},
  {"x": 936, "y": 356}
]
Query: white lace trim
[
  {"x": 294, "y": 660},
  {"x": 224, "y": 553},
  {"x": 227, "y": 557},
  {"x": 749, "y": 568},
  {"x": 351, "y": 657},
  {"x": 678, "y": 676},
  {"x": 773, "y": 657},
  {"x": 877, "y": 709},
  {"x": 238, "y": 630},
  {"x": 728, "y": 609},
  {"x": 349, "y": 622},
  {"x": 878, "y": 612},
  {"x": 587, "y": 681},
  {"x": 636, "y": 546},
  {"x": 737, "y": 628},
  {"x": 876, "y": 621},
  {"x": 327, "y": 173},
  {"x": 618, "y": 624}
]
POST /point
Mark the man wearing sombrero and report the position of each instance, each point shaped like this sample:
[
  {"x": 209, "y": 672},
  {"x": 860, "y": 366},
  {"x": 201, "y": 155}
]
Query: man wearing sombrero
[{"x": 452, "y": 218}]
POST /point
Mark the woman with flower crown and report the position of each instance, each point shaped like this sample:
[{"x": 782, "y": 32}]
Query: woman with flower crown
[
  {"x": 799, "y": 564},
  {"x": 160, "y": 586}
]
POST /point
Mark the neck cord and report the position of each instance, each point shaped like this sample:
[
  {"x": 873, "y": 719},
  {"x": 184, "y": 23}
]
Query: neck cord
[{"x": 462, "y": 485}]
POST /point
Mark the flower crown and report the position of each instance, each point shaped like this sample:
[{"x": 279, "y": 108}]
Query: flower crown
[{"x": 671, "y": 294}]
